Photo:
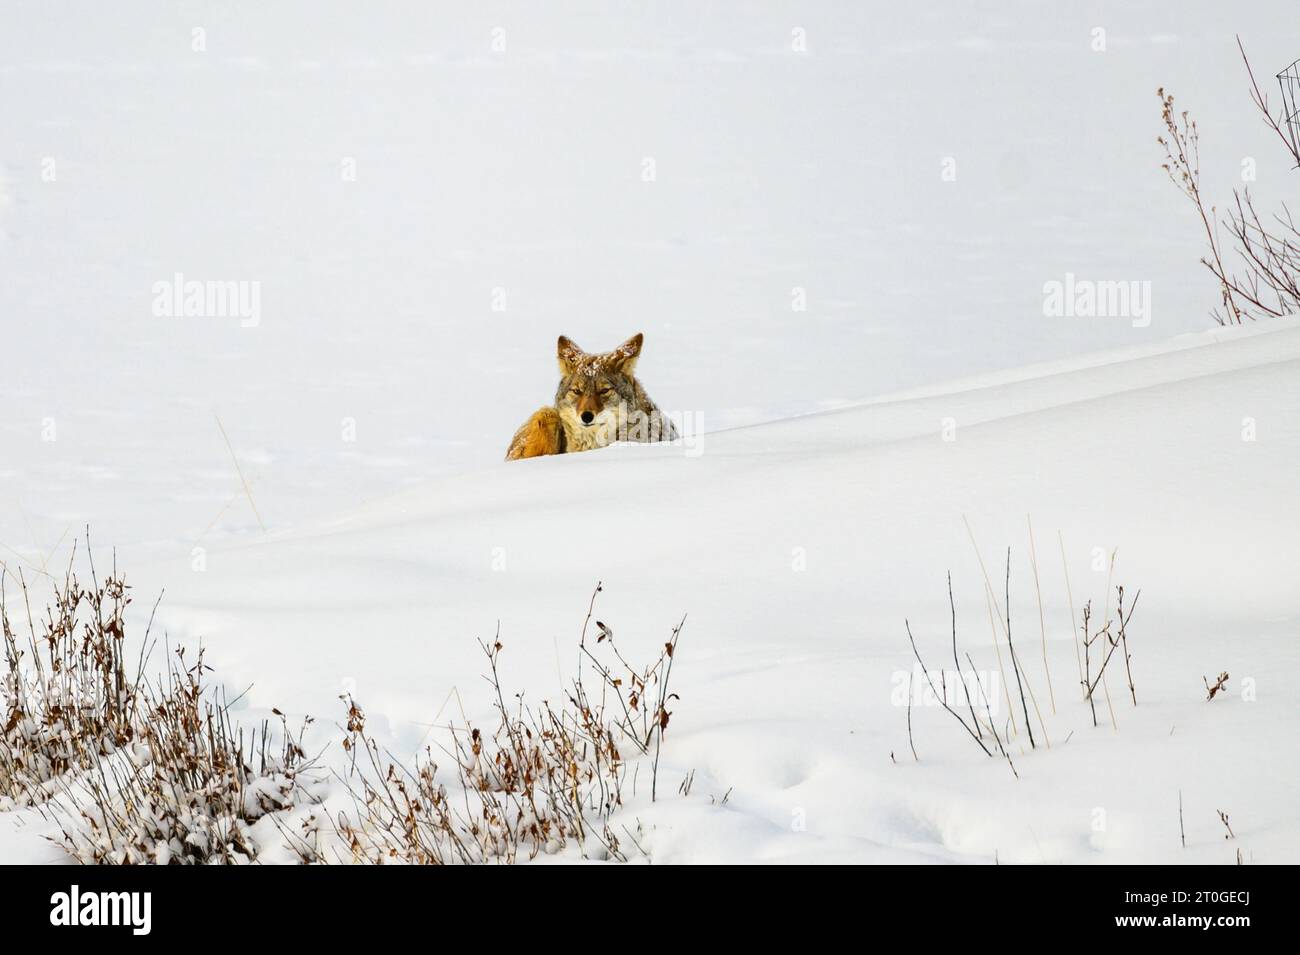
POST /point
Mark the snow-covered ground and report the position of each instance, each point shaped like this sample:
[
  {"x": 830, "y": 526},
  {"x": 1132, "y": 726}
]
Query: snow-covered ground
[
  {"x": 407, "y": 323},
  {"x": 798, "y": 548}
]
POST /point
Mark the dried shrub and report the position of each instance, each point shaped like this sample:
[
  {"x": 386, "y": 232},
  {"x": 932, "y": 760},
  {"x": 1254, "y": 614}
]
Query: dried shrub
[
  {"x": 1267, "y": 247},
  {"x": 189, "y": 787},
  {"x": 131, "y": 772},
  {"x": 1110, "y": 643},
  {"x": 137, "y": 771},
  {"x": 544, "y": 779},
  {"x": 1098, "y": 643},
  {"x": 1219, "y": 686},
  {"x": 68, "y": 693}
]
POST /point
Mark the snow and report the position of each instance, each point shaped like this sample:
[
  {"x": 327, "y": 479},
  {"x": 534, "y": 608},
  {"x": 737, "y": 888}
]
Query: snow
[
  {"x": 821, "y": 506},
  {"x": 788, "y": 677}
]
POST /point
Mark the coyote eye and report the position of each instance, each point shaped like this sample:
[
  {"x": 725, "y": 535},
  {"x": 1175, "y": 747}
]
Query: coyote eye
[{"x": 604, "y": 392}]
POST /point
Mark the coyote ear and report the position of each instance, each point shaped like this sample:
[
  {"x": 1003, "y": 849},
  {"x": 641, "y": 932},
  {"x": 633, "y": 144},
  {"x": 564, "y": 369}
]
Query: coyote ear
[
  {"x": 569, "y": 355},
  {"x": 624, "y": 357}
]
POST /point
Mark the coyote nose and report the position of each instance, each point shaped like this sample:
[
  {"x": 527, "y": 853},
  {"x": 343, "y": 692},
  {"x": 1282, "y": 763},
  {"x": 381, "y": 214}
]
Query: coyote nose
[{"x": 588, "y": 417}]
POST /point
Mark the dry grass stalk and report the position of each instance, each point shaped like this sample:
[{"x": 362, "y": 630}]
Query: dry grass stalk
[
  {"x": 1015, "y": 666},
  {"x": 988, "y": 592},
  {"x": 1042, "y": 620},
  {"x": 544, "y": 779},
  {"x": 1069, "y": 594},
  {"x": 1006, "y": 686},
  {"x": 1105, "y": 684},
  {"x": 1022, "y": 680}
]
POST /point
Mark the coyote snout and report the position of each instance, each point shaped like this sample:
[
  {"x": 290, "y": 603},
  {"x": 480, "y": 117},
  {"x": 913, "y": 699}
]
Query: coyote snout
[
  {"x": 598, "y": 402},
  {"x": 588, "y": 406}
]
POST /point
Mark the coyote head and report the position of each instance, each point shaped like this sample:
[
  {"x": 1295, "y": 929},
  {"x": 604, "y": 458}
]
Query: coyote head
[{"x": 593, "y": 388}]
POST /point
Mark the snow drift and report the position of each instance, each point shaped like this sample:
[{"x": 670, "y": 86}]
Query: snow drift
[{"x": 797, "y": 549}]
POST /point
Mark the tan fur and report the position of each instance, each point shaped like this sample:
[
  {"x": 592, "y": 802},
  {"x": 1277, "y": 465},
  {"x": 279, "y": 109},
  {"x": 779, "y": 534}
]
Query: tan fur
[
  {"x": 602, "y": 389},
  {"x": 539, "y": 435}
]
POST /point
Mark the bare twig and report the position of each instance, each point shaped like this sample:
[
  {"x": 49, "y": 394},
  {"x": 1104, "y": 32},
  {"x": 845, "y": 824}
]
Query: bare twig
[
  {"x": 1182, "y": 833},
  {"x": 1223, "y": 818},
  {"x": 1220, "y": 685},
  {"x": 952, "y": 606},
  {"x": 1270, "y": 284},
  {"x": 909, "y": 719},
  {"x": 974, "y": 734},
  {"x": 988, "y": 710}
]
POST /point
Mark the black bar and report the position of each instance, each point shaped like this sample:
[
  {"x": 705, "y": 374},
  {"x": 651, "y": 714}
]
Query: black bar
[{"x": 344, "y": 903}]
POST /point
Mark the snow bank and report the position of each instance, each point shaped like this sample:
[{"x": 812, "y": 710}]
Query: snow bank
[{"x": 797, "y": 549}]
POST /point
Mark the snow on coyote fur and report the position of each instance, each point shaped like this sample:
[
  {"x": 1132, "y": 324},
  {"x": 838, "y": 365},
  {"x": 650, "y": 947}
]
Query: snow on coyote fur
[{"x": 597, "y": 403}]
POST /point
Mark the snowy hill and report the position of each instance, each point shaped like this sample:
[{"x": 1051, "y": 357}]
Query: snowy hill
[
  {"x": 797, "y": 549},
  {"x": 803, "y": 207}
]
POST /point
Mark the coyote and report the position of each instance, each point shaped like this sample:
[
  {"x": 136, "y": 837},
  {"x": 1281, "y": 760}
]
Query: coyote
[{"x": 598, "y": 402}]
